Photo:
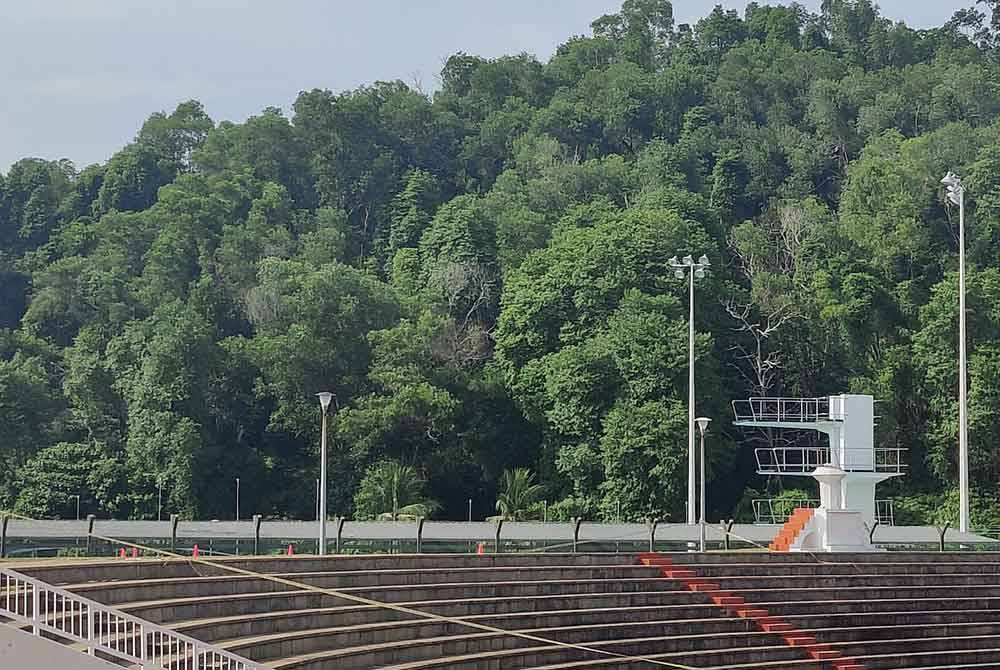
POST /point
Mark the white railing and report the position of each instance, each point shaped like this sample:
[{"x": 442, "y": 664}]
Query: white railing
[
  {"x": 785, "y": 410},
  {"x": 778, "y": 510},
  {"x": 803, "y": 460},
  {"x": 103, "y": 630}
]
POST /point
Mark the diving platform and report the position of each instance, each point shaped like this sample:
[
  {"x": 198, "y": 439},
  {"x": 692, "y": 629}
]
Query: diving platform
[{"x": 848, "y": 466}]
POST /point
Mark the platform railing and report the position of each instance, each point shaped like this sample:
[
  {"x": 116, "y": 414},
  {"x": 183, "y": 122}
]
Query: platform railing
[
  {"x": 779, "y": 510},
  {"x": 798, "y": 460},
  {"x": 785, "y": 410},
  {"x": 56, "y": 613}
]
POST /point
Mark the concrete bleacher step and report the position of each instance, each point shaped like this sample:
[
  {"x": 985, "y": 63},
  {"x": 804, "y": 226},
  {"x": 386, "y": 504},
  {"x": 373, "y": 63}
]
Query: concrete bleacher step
[
  {"x": 184, "y": 609},
  {"x": 112, "y": 595},
  {"x": 781, "y": 656},
  {"x": 64, "y": 573},
  {"x": 435, "y": 641},
  {"x": 715, "y": 611}
]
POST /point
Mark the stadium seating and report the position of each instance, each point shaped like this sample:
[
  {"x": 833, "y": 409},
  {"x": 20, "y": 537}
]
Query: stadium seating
[{"x": 778, "y": 611}]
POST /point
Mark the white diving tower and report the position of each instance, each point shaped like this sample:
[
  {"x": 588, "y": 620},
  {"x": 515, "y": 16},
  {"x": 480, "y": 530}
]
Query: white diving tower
[{"x": 848, "y": 468}]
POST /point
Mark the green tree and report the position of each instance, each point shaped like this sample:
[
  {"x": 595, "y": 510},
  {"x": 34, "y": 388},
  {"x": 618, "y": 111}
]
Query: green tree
[
  {"x": 518, "y": 496},
  {"x": 391, "y": 491}
]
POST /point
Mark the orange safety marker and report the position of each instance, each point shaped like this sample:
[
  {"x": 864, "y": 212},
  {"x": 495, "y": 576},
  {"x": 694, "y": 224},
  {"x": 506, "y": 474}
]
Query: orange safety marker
[
  {"x": 291, "y": 550},
  {"x": 480, "y": 548},
  {"x": 194, "y": 551}
]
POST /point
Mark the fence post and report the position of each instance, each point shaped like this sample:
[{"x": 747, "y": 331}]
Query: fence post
[
  {"x": 89, "y": 623},
  {"x": 256, "y": 534},
  {"x": 35, "y": 609},
  {"x": 3, "y": 536},
  {"x": 652, "y": 523},
  {"x": 727, "y": 527},
  {"x": 340, "y": 533},
  {"x": 90, "y": 534},
  {"x": 173, "y": 533},
  {"x": 576, "y": 531},
  {"x": 496, "y": 545},
  {"x": 871, "y": 532},
  {"x": 420, "y": 534},
  {"x": 942, "y": 532}
]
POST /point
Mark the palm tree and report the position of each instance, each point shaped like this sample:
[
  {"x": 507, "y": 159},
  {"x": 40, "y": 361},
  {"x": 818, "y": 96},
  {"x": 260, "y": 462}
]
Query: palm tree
[
  {"x": 391, "y": 491},
  {"x": 519, "y": 494}
]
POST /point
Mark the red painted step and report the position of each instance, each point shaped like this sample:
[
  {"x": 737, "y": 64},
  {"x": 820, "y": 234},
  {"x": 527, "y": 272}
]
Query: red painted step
[{"x": 800, "y": 640}]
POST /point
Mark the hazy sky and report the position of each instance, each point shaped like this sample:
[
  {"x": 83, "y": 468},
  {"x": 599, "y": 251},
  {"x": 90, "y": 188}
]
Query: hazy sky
[{"x": 80, "y": 76}]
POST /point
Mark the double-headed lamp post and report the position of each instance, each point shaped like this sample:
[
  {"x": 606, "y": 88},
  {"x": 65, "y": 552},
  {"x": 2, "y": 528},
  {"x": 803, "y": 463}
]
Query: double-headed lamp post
[
  {"x": 956, "y": 194},
  {"x": 695, "y": 270},
  {"x": 702, "y": 428},
  {"x": 324, "y": 401}
]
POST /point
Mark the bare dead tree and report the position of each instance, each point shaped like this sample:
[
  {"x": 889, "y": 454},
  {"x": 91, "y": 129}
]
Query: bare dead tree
[
  {"x": 471, "y": 291},
  {"x": 758, "y": 366}
]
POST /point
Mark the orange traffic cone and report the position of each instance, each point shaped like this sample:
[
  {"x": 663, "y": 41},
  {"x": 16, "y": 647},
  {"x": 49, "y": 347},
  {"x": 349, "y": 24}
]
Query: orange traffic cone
[
  {"x": 194, "y": 551},
  {"x": 291, "y": 550},
  {"x": 480, "y": 548}
]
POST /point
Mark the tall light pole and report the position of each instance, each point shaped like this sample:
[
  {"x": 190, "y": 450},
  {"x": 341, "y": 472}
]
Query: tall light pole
[
  {"x": 702, "y": 427},
  {"x": 159, "y": 500},
  {"x": 695, "y": 270},
  {"x": 956, "y": 194},
  {"x": 77, "y": 506},
  {"x": 324, "y": 401},
  {"x": 237, "y": 498}
]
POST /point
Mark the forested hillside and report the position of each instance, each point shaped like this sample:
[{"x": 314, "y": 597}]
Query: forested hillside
[{"x": 481, "y": 276}]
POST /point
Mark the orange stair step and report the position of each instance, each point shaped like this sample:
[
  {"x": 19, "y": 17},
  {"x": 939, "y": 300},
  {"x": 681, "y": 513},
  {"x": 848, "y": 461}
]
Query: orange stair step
[{"x": 800, "y": 641}]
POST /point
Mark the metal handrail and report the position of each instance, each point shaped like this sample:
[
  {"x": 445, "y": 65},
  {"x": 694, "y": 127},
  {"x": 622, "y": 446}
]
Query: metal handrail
[
  {"x": 143, "y": 645},
  {"x": 798, "y": 460},
  {"x": 779, "y": 510},
  {"x": 785, "y": 410}
]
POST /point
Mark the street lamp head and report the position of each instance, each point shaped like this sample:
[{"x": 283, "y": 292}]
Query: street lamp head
[
  {"x": 679, "y": 274},
  {"x": 324, "y": 400},
  {"x": 703, "y": 422},
  {"x": 704, "y": 261},
  {"x": 673, "y": 260},
  {"x": 699, "y": 273},
  {"x": 688, "y": 260},
  {"x": 951, "y": 179}
]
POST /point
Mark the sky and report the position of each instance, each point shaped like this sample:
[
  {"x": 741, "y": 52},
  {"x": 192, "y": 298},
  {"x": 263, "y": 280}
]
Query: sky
[{"x": 80, "y": 76}]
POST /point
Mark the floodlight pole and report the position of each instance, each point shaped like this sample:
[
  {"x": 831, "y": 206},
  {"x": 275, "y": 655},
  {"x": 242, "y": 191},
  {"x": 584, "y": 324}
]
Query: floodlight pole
[
  {"x": 691, "y": 454},
  {"x": 963, "y": 400},
  {"x": 693, "y": 269},
  {"x": 956, "y": 194}
]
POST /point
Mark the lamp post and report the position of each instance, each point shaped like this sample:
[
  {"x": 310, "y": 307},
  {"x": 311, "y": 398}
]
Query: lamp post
[
  {"x": 237, "y": 498},
  {"x": 159, "y": 500},
  {"x": 956, "y": 194},
  {"x": 324, "y": 401},
  {"x": 702, "y": 427},
  {"x": 77, "y": 506},
  {"x": 695, "y": 270}
]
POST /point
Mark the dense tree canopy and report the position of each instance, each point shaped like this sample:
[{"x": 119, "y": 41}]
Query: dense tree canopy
[{"x": 481, "y": 277}]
